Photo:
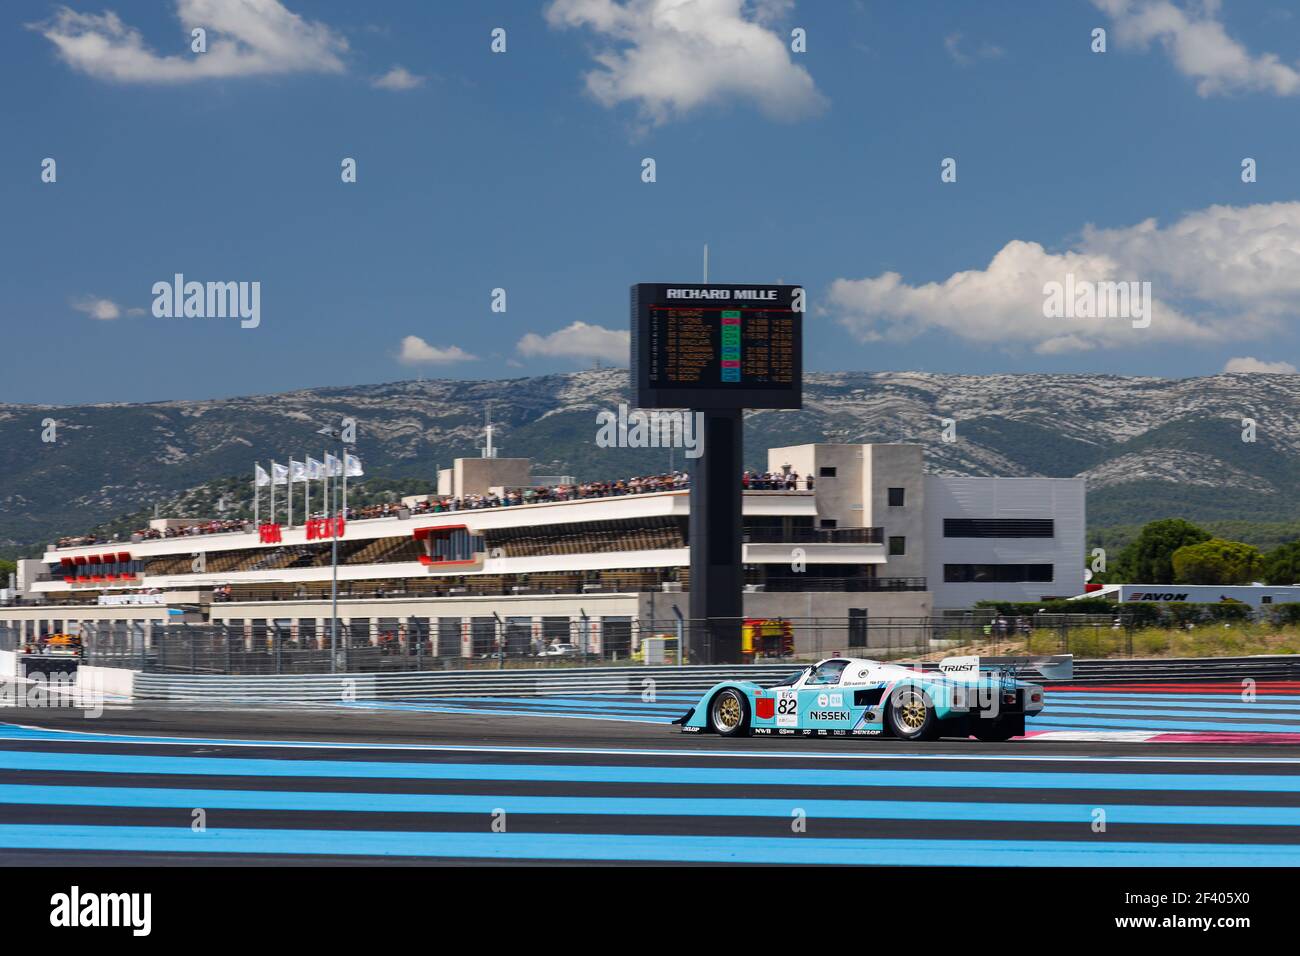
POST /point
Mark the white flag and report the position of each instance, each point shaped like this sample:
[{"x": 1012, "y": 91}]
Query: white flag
[
  {"x": 333, "y": 467},
  {"x": 260, "y": 476},
  {"x": 279, "y": 474},
  {"x": 315, "y": 469},
  {"x": 297, "y": 471},
  {"x": 353, "y": 465}
]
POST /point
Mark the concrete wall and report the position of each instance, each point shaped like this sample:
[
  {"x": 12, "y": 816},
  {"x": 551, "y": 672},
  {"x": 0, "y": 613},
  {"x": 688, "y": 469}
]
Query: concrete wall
[
  {"x": 27, "y": 570},
  {"x": 839, "y": 498},
  {"x": 475, "y": 476},
  {"x": 836, "y": 605},
  {"x": 896, "y": 466},
  {"x": 109, "y": 680}
]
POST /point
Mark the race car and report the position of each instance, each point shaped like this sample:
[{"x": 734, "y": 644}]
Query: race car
[
  {"x": 843, "y": 697},
  {"x": 56, "y": 645}
]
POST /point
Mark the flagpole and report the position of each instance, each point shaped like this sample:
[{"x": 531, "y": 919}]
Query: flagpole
[
  {"x": 306, "y": 493},
  {"x": 256, "y": 496},
  {"x": 273, "y": 492},
  {"x": 334, "y": 583},
  {"x": 345, "y": 483},
  {"x": 290, "y": 483}
]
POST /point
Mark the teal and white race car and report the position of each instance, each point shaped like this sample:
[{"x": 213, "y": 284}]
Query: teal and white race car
[{"x": 849, "y": 697}]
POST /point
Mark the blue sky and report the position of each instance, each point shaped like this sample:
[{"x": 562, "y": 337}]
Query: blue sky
[{"x": 522, "y": 170}]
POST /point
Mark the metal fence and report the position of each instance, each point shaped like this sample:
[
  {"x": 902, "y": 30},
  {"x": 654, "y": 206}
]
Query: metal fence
[
  {"x": 625, "y": 680},
  {"x": 376, "y": 645},
  {"x": 493, "y": 642},
  {"x": 916, "y": 638},
  {"x": 373, "y": 646}
]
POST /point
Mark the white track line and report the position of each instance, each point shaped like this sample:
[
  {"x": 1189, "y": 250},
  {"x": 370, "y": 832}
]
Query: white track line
[{"x": 644, "y": 752}]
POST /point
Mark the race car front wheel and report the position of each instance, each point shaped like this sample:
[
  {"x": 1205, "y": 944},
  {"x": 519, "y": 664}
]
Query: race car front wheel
[
  {"x": 729, "y": 713},
  {"x": 911, "y": 715}
]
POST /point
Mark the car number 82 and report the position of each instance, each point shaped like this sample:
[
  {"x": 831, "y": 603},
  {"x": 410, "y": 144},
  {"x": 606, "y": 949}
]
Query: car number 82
[{"x": 787, "y": 708}]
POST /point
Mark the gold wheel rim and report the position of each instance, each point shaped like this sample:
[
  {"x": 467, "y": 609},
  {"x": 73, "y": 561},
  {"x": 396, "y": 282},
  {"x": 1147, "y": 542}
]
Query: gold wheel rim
[
  {"x": 913, "y": 713},
  {"x": 727, "y": 712}
]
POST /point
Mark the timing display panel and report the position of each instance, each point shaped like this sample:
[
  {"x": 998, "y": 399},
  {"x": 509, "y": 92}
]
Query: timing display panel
[{"x": 717, "y": 346}]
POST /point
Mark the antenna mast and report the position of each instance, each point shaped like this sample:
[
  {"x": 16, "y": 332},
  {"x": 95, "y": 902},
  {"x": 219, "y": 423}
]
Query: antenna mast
[{"x": 488, "y": 450}]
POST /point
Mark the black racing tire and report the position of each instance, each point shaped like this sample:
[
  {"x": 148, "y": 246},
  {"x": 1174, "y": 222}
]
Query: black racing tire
[
  {"x": 910, "y": 715},
  {"x": 728, "y": 714}
]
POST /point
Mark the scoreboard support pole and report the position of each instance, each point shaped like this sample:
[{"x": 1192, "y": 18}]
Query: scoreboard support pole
[
  {"x": 716, "y": 529},
  {"x": 717, "y": 349}
]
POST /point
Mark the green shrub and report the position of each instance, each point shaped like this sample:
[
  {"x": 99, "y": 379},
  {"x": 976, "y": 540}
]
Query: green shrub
[
  {"x": 1285, "y": 614},
  {"x": 1151, "y": 642}
]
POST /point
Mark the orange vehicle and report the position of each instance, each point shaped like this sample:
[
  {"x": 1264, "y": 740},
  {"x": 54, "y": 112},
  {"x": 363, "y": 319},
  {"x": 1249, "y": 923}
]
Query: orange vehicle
[
  {"x": 62, "y": 645},
  {"x": 766, "y": 637}
]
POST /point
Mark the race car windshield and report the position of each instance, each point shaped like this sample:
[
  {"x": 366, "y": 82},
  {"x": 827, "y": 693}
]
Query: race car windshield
[
  {"x": 791, "y": 679},
  {"x": 828, "y": 673}
]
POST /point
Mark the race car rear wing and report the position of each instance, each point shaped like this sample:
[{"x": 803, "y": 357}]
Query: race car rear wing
[{"x": 1052, "y": 667}]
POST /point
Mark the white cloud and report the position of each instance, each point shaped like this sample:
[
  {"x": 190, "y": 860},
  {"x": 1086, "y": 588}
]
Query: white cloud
[
  {"x": 580, "y": 341},
  {"x": 675, "y": 56},
  {"x": 416, "y": 351},
  {"x": 1248, "y": 364},
  {"x": 244, "y": 38},
  {"x": 98, "y": 308},
  {"x": 953, "y": 44},
  {"x": 1218, "y": 274},
  {"x": 1197, "y": 42},
  {"x": 398, "y": 78}
]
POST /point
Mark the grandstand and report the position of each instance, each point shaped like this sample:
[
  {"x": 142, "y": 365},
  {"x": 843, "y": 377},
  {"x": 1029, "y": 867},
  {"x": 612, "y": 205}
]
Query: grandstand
[{"x": 847, "y": 530}]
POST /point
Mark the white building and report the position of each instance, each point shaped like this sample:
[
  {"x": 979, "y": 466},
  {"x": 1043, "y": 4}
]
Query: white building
[
  {"x": 1011, "y": 539},
  {"x": 873, "y": 537}
]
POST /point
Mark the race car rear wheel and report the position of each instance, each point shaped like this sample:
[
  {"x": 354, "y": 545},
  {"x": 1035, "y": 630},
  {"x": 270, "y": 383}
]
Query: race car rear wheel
[
  {"x": 911, "y": 714},
  {"x": 729, "y": 713}
]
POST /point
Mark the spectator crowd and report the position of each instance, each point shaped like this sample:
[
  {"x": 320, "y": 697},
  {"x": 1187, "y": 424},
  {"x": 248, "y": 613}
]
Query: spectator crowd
[
  {"x": 774, "y": 481},
  {"x": 435, "y": 504},
  {"x": 149, "y": 534}
]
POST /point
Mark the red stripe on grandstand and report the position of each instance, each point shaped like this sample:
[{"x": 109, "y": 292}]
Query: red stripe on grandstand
[{"x": 1228, "y": 686}]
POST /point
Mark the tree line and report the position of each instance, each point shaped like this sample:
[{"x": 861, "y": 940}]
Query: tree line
[{"x": 1174, "y": 551}]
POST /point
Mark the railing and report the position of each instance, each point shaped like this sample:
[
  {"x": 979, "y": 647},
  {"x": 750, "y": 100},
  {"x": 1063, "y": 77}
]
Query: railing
[
  {"x": 814, "y": 536},
  {"x": 470, "y": 588},
  {"x": 851, "y": 585}
]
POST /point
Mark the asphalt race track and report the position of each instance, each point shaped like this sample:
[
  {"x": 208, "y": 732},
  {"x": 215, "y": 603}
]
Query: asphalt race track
[{"x": 510, "y": 781}]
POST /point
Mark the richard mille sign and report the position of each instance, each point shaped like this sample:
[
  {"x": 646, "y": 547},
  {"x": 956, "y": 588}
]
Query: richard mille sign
[{"x": 717, "y": 346}]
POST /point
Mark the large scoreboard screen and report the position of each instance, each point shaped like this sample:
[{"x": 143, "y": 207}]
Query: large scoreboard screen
[{"x": 717, "y": 346}]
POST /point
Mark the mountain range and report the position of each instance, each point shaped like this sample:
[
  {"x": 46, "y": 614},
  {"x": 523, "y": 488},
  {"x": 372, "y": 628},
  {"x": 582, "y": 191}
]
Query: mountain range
[{"x": 1148, "y": 447}]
